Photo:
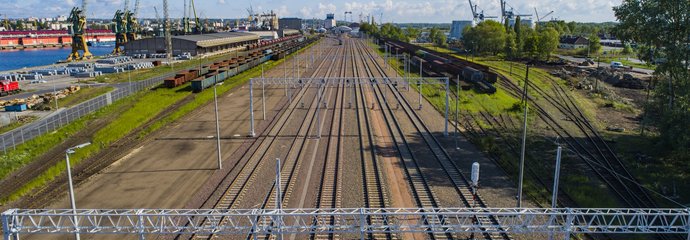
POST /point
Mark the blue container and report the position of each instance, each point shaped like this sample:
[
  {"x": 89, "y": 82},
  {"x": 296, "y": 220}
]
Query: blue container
[{"x": 16, "y": 108}]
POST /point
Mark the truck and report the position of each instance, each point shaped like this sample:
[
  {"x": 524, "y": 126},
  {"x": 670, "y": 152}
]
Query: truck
[{"x": 9, "y": 87}]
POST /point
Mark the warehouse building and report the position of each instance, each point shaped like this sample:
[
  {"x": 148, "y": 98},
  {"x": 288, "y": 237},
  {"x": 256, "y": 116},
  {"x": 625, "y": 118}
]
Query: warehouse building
[
  {"x": 457, "y": 27},
  {"x": 193, "y": 44},
  {"x": 290, "y": 23}
]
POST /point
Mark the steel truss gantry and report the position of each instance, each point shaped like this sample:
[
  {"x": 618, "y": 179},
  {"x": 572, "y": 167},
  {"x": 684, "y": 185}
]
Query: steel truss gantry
[
  {"x": 563, "y": 221},
  {"x": 349, "y": 82},
  {"x": 353, "y": 80}
]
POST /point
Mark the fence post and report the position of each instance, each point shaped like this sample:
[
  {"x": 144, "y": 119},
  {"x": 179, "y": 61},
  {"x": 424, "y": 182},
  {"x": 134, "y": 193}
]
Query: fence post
[
  {"x": 14, "y": 145},
  {"x": 6, "y": 226}
]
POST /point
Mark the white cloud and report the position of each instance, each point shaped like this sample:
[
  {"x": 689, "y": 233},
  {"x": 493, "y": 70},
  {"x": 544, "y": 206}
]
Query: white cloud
[
  {"x": 221, "y": 1},
  {"x": 282, "y": 11}
]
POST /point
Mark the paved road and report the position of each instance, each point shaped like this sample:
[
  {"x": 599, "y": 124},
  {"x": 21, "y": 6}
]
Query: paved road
[{"x": 580, "y": 60}]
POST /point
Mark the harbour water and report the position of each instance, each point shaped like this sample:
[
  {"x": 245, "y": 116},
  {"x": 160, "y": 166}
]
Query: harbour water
[{"x": 18, "y": 59}]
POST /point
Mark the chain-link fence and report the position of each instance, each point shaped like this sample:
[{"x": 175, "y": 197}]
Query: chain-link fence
[{"x": 57, "y": 120}]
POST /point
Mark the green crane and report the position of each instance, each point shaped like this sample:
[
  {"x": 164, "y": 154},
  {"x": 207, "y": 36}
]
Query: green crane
[
  {"x": 78, "y": 29},
  {"x": 120, "y": 30}
]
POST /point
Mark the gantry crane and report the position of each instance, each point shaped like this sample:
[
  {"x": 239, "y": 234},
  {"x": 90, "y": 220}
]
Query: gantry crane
[
  {"x": 77, "y": 18},
  {"x": 478, "y": 16}
]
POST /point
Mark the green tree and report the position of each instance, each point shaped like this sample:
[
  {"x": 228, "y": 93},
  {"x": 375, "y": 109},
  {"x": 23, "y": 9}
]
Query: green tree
[
  {"x": 433, "y": 34},
  {"x": 594, "y": 43},
  {"x": 627, "y": 49},
  {"x": 20, "y": 25},
  {"x": 412, "y": 33},
  {"x": 510, "y": 46},
  {"x": 441, "y": 40},
  {"x": 547, "y": 42},
  {"x": 487, "y": 37},
  {"x": 519, "y": 36},
  {"x": 663, "y": 26}
]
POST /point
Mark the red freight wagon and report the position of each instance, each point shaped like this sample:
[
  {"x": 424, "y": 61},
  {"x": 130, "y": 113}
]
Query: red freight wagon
[{"x": 8, "y": 87}]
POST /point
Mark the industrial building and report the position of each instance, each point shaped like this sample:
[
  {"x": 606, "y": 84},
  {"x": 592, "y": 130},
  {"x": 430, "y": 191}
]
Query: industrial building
[
  {"x": 524, "y": 21},
  {"x": 193, "y": 44},
  {"x": 290, "y": 23},
  {"x": 330, "y": 21},
  {"x": 457, "y": 27}
]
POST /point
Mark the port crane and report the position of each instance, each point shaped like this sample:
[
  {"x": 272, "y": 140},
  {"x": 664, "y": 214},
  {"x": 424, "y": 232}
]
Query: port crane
[
  {"x": 132, "y": 26},
  {"x": 190, "y": 9},
  {"x": 77, "y": 18},
  {"x": 478, "y": 16},
  {"x": 125, "y": 26},
  {"x": 509, "y": 15},
  {"x": 120, "y": 30},
  {"x": 543, "y": 17}
]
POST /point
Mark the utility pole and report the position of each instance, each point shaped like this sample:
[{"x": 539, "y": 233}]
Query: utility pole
[
  {"x": 524, "y": 140},
  {"x": 215, "y": 102}
]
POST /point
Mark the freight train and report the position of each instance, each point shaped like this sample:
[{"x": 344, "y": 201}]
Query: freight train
[
  {"x": 440, "y": 64},
  {"x": 208, "y": 75}
]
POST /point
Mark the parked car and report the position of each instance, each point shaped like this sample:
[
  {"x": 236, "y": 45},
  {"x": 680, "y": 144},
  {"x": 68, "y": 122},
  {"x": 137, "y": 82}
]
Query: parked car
[{"x": 617, "y": 65}]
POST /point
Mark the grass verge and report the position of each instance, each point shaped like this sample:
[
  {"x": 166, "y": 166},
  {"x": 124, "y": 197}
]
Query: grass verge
[{"x": 83, "y": 95}]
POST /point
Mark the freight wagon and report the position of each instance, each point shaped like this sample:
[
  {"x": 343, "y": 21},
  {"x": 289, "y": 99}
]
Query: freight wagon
[
  {"x": 447, "y": 65},
  {"x": 9, "y": 87},
  {"x": 220, "y": 71}
]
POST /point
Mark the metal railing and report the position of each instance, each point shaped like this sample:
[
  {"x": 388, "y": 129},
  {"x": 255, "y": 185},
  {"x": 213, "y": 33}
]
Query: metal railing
[{"x": 563, "y": 221}]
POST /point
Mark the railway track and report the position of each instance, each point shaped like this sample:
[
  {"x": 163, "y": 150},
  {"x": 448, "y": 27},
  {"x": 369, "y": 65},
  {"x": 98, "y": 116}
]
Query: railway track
[
  {"x": 593, "y": 150},
  {"x": 375, "y": 193},
  {"x": 247, "y": 173},
  {"x": 296, "y": 156},
  {"x": 330, "y": 189},
  {"x": 459, "y": 182}
]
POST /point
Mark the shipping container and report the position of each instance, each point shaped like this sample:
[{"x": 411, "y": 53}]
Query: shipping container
[{"x": 16, "y": 108}]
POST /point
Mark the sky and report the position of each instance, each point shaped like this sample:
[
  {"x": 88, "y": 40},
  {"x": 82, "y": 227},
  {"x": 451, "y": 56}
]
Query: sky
[{"x": 399, "y": 11}]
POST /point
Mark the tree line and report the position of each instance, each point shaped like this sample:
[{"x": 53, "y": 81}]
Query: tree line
[
  {"x": 662, "y": 28},
  {"x": 518, "y": 41}
]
